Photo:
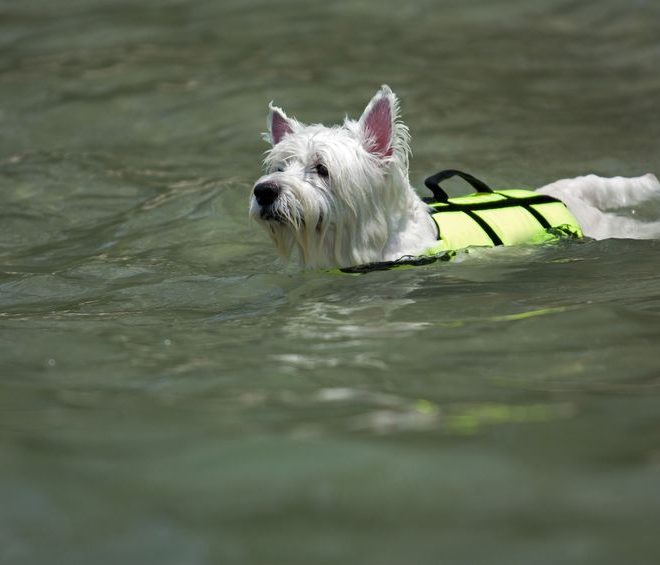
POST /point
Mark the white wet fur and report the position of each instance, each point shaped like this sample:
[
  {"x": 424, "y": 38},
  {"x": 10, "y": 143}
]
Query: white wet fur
[
  {"x": 591, "y": 199},
  {"x": 340, "y": 196}
]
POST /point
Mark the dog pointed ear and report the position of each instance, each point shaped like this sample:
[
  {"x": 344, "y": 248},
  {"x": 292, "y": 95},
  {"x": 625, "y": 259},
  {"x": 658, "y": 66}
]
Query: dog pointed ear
[
  {"x": 278, "y": 124},
  {"x": 377, "y": 122}
]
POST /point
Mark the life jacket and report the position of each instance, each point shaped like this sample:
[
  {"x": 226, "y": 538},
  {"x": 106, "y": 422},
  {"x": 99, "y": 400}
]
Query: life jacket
[
  {"x": 486, "y": 218},
  {"x": 495, "y": 217}
]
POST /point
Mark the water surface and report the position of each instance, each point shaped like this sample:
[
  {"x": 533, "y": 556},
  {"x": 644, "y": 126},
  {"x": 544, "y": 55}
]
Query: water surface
[{"x": 170, "y": 393}]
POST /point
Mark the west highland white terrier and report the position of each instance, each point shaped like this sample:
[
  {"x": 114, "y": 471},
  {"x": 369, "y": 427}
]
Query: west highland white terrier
[{"x": 340, "y": 196}]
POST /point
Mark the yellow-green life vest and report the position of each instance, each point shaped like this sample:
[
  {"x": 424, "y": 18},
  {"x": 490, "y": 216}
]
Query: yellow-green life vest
[
  {"x": 486, "y": 218},
  {"x": 502, "y": 217}
]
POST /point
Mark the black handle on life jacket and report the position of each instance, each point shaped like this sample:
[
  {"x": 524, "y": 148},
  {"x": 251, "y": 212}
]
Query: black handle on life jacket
[{"x": 439, "y": 195}]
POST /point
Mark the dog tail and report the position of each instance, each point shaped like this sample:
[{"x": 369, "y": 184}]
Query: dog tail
[{"x": 612, "y": 207}]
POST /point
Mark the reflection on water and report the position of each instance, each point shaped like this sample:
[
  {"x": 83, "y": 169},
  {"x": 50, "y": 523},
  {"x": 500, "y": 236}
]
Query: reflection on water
[{"x": 171, "y": 393}]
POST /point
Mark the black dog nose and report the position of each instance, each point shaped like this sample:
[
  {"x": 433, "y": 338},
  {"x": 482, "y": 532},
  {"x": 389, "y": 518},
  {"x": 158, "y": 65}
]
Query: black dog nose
[{"x": 266, "y": 193}]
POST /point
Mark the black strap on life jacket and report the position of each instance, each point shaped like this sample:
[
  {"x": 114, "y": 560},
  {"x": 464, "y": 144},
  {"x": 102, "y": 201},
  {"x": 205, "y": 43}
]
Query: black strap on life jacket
[
  {"x": 439, "y": 195},
  {"x": 406, "y": 261}
]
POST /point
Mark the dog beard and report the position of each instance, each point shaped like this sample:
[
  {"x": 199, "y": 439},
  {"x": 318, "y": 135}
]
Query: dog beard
[{"x": 299, "y": 219}]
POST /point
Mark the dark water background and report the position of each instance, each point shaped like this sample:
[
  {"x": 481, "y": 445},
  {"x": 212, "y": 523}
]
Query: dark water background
[{"x": 171, "y": 394}]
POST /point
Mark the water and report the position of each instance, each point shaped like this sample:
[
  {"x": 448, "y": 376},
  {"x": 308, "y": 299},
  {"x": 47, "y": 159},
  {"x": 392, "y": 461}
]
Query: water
[{"x": 172, "y": 394}]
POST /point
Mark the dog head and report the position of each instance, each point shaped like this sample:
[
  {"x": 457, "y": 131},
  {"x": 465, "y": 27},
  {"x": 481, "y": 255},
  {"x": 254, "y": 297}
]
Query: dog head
[{"x": 332, "y": 193}]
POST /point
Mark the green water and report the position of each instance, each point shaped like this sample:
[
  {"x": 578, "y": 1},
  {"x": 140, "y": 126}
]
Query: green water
[{"x": 171, "y": 394}]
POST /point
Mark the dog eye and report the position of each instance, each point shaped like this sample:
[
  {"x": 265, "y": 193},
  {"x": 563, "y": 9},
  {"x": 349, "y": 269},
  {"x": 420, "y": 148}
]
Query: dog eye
[{"x": 321, "y": 170}]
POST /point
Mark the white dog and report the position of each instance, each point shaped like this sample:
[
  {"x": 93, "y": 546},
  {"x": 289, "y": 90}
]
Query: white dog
[{"x": 340, "y": 196}]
